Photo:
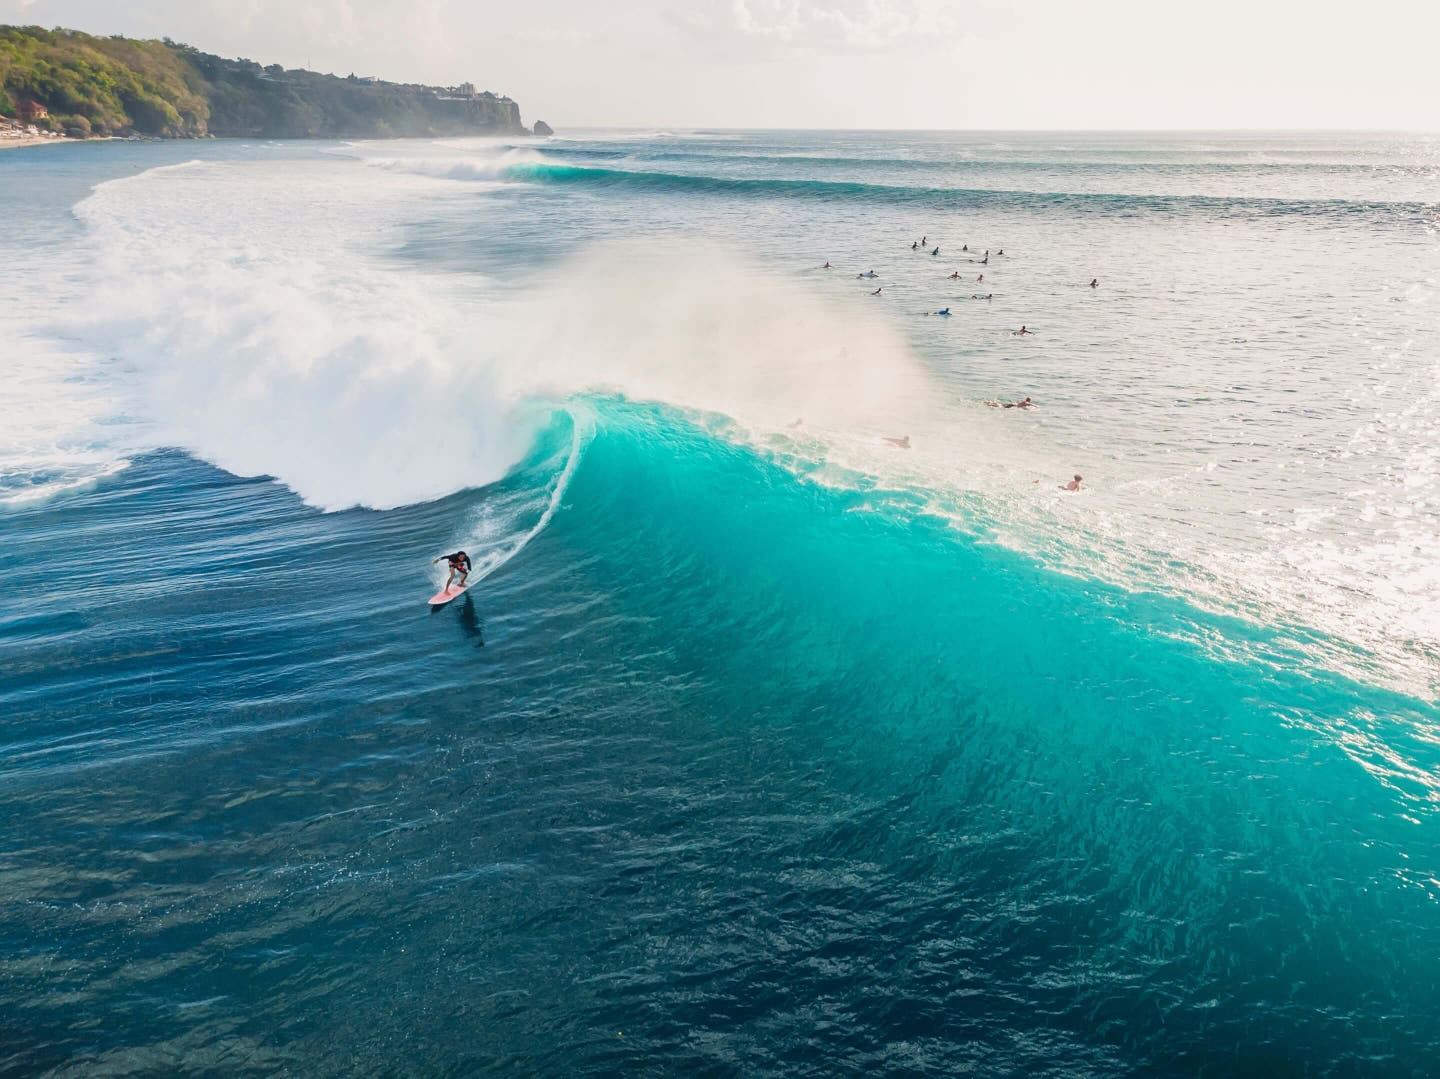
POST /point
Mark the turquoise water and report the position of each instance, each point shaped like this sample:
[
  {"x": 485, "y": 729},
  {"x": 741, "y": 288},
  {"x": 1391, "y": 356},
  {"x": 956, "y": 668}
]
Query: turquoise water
[{"x": 761, "y": 747}]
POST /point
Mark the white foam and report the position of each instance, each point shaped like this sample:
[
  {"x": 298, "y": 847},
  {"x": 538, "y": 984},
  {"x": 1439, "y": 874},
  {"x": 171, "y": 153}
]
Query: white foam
[
  {"x": 249, "y": 329},
  {"x": 463, "y": 163},
  {"x": 259, "y": 339},
  {"x": 57, "y": 433}
]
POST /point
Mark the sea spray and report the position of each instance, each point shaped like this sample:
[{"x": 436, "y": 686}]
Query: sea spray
[
  {"x": 696, "y": 324},
  {"x": 260, "y": 341}
]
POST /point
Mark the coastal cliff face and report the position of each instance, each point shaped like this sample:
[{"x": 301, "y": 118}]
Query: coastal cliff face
[
  {"x": 115, "y": 86},
  {"x": 246, "y": 99}
]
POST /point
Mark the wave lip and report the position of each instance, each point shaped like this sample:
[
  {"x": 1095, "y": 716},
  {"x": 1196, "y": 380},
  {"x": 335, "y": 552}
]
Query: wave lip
[
  {"x": 515, "y": 511},
  {"x": 464, "y": 167}
]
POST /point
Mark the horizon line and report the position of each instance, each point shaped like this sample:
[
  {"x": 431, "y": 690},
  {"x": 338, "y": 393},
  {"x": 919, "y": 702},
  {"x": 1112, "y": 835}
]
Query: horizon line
[{"x": 631, "y": 126}]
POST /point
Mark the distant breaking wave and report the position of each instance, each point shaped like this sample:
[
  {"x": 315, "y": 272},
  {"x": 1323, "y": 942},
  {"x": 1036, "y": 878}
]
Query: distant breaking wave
[
  {"x": 996, "y": 162},
  {"x": 1106, "y": 203}
]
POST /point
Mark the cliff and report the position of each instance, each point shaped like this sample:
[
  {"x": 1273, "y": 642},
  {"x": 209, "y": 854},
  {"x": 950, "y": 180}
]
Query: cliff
[{"x": 118, "y": 86}]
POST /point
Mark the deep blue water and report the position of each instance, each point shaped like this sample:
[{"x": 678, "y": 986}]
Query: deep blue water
[{"x": 753, "y": 751}]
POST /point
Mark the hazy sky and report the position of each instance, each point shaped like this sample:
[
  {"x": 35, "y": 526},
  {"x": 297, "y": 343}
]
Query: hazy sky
[{"x": 847, "y": 63}]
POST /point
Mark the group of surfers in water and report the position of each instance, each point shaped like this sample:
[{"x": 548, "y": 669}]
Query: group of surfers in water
[
  {"x": 902, "y": 442},
  {"x": 944, "y": 312}
]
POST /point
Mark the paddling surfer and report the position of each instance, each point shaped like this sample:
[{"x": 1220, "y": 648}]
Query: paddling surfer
[{"x": 459, "y": 563}]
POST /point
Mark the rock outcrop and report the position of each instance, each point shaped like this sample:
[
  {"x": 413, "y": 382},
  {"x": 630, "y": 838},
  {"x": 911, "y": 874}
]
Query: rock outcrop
[{"x": 542, "y": 128}]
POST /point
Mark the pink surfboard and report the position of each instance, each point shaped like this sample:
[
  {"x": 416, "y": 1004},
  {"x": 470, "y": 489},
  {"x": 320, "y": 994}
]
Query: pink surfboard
[{"x": 439, "y": 599}]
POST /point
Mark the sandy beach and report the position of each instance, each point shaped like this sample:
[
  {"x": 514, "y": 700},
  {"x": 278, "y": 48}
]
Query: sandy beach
[{"x": 32, "y": 140}]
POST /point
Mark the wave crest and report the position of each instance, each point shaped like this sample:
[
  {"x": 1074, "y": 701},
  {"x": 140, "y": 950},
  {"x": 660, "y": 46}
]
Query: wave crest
[{"x": 251, "y": 333}]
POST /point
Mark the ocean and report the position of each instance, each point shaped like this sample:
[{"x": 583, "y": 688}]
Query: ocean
[{"x": 762, "y": 744}]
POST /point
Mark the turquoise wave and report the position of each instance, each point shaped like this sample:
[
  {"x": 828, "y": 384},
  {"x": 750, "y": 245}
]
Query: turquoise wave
[
  {"x": 1256, "y": 813},
  {"x": 711, "y": 704}
]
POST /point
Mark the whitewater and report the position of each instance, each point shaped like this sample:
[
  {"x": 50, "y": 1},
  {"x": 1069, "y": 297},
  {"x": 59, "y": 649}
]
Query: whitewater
[{"x": 762, "y": 740}]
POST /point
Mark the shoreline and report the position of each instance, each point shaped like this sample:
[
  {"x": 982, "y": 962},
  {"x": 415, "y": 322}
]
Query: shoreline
[
  {"x": 67, "y": 140},
  {"x": 34, "y": 140},
  {"x": 41, "y": 140}
]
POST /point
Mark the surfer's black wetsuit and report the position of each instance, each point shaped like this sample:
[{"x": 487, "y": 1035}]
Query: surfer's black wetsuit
[{"x": 459, "y": 561}]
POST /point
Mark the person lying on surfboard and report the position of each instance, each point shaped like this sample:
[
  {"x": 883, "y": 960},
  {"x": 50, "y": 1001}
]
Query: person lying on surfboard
[{"x": 459, "y": 563}]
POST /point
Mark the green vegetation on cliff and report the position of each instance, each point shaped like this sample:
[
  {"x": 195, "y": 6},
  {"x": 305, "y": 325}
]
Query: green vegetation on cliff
[{"x": 117, "y": 86}]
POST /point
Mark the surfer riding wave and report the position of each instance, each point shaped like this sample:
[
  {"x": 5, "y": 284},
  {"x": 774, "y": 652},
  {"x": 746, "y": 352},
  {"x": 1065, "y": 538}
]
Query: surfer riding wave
[{"x": 459, "y": 563}]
